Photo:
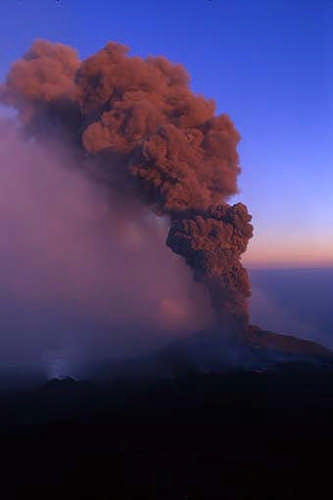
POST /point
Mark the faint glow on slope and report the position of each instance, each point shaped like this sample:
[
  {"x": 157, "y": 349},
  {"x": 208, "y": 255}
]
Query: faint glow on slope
[{"x": 56, "y": 365}]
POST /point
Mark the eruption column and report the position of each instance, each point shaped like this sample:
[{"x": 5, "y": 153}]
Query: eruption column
[
  {"x": 212, "y": 243},
  {"x": 154, "y": 139}
]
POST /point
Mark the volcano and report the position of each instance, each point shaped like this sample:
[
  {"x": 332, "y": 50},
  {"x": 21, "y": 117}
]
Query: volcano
[{"x": 158, "y": 143}]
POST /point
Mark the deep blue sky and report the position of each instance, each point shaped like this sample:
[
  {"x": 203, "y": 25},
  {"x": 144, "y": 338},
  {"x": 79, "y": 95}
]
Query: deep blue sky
[{"x": 266, "y": 63}]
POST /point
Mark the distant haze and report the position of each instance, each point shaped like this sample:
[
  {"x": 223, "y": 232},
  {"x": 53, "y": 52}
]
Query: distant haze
[
  {"x": 294, "y": 301},
  {"x": 77, "y": 279}
]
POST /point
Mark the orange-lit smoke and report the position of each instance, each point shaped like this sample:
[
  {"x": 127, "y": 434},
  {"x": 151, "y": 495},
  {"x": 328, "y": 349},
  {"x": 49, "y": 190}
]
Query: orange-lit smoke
[{"x": 142, "y": 132}]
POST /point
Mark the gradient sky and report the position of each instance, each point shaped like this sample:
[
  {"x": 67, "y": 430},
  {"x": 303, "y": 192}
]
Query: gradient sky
[{"x": 266, "y": 63}]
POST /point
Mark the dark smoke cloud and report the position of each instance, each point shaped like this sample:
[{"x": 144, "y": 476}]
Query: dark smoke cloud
[
  {"x": 152, "y": 139},
  {"x": 212, "y": 244}
]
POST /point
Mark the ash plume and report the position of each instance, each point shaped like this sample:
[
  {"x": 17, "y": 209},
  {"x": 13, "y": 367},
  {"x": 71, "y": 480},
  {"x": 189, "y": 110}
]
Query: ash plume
[
  {"x": 212, "y": 244},
  {"x": 136, "y": 124}
]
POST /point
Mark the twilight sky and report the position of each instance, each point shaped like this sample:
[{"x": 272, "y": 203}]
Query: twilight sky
[{"x": 267, "y": 64}]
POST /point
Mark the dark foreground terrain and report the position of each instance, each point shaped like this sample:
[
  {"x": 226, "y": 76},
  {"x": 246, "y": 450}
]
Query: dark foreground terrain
[{"x": 246, "y": 435}]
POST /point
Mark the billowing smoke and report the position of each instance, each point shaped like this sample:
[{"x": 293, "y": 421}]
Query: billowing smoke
[
  {"x": 136, "y": 126},
  {"x": 212, "y": 244}
]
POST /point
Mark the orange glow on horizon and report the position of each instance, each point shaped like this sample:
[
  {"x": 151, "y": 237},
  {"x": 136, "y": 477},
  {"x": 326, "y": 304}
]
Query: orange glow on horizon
[{"x": 289, "y": 253}]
